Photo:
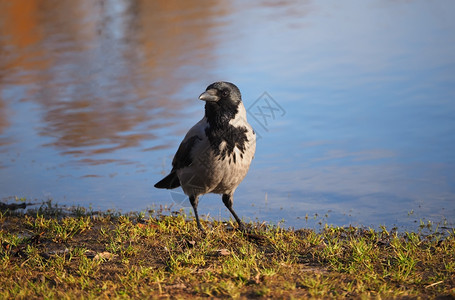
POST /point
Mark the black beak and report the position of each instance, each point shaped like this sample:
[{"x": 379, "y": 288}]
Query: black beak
[{"x": 209, "y": 96}]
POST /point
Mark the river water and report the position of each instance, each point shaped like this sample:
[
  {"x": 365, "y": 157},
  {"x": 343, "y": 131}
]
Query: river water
[{"x": 353, "y": 103}]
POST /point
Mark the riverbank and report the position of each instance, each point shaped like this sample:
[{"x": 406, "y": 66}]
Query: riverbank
[{"x": 49, "y": 253}]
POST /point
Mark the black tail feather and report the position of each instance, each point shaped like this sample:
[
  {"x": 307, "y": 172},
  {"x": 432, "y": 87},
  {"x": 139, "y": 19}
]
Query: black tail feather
[{"x": 171, "y": 181}]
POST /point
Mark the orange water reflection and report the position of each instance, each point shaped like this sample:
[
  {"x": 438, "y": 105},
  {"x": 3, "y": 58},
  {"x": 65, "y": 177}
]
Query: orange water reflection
[{"x": 106, "y": 73}]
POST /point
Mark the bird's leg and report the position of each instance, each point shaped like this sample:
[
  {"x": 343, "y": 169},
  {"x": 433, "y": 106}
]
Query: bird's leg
[
  {"x": 194, "y": 200},
  {"x": 228, "y": 201}
]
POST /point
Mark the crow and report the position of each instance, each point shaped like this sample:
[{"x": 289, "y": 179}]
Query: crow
[{"x": 216, "y": 153}]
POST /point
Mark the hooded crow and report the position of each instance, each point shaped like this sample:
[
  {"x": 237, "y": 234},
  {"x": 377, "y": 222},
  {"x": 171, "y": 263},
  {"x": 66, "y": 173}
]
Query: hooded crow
[{"x": 216, "y": 153}]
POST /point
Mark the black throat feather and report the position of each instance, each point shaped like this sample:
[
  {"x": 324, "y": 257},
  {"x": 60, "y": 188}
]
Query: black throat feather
[{"x": 218, "y": 116}]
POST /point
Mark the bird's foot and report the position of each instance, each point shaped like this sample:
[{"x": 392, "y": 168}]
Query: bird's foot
[
  {"x": 201, "y": 229},
  {"x": 242, "y": 228}
]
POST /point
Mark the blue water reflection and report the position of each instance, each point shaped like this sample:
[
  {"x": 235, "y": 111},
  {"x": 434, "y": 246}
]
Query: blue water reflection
[{"x": 92, "y": 108}]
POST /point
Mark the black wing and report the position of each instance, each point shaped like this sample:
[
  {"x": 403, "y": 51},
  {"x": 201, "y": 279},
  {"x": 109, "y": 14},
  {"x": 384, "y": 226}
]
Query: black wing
[
  {"x": 183, "y": 156},
  {"x": 181, "y": 159}
]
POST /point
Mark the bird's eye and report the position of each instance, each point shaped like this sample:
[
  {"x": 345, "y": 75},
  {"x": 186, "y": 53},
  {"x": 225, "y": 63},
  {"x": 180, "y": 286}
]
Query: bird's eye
[{"x": 225, "y": 93}]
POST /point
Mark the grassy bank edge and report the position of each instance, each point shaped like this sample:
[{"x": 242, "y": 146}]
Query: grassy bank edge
[{"x": 53, "y": 252}]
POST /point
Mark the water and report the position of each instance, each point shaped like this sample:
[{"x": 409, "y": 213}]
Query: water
[{"x": 354, "y": 104}]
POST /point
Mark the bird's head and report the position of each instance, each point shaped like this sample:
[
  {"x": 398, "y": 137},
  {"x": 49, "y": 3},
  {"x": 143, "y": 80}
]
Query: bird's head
[
  {"x": 222, "y": 93},
  {"x": 222, "y": 103}
]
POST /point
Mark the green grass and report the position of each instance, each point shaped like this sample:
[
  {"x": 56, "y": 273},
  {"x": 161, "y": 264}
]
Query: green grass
[{"x": 49, "y": 254}]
